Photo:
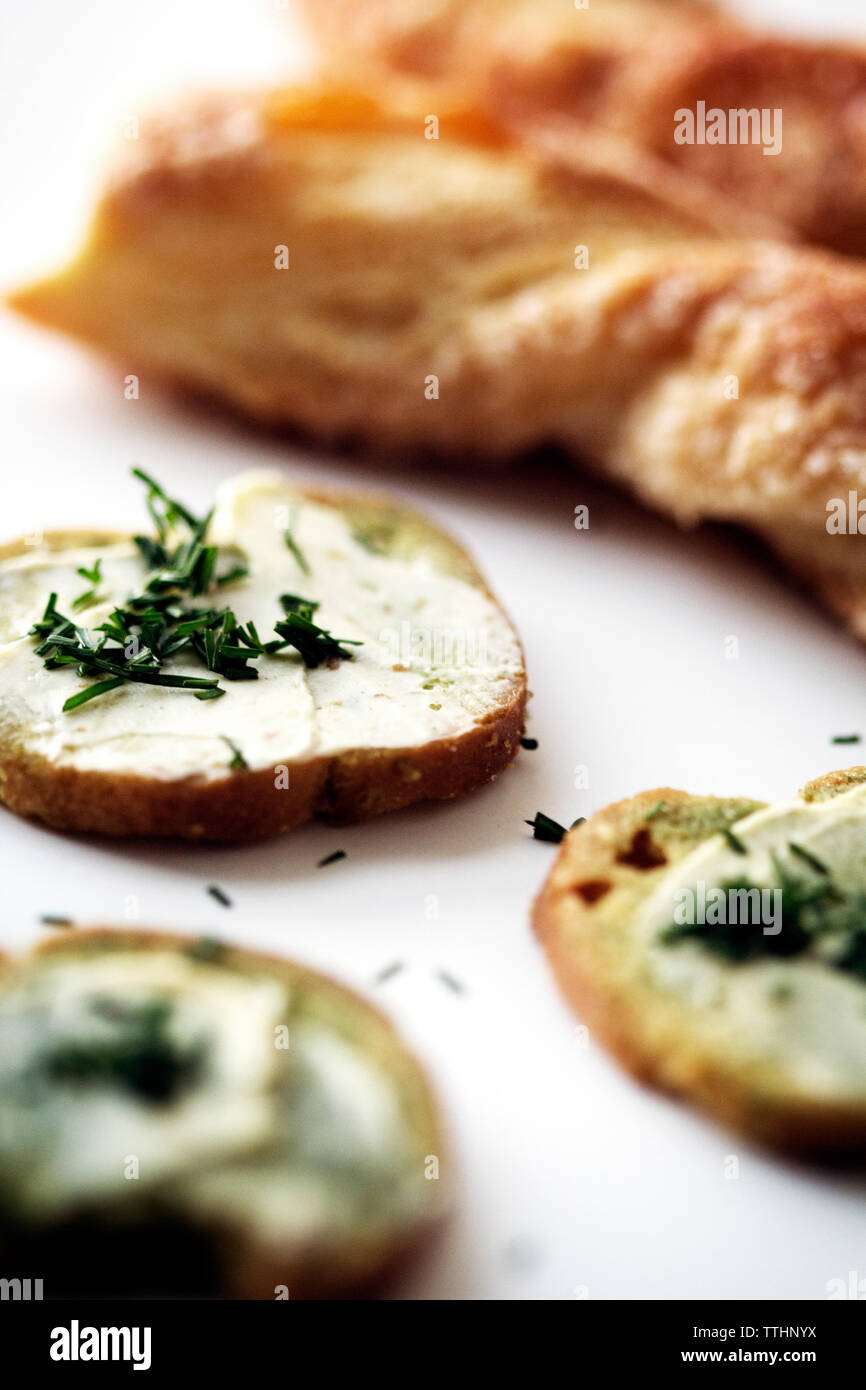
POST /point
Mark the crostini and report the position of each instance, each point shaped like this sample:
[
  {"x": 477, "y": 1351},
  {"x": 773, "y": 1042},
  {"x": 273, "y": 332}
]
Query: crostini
[
  {"x": 291, "y": 654},
  {"x": 183, "y": 1118},
  {"x": 718, "y": 948}
]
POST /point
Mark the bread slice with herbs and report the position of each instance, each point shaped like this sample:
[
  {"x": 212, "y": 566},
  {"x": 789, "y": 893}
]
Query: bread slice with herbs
[
  {"x": 181, "y": 1117},
  {"x": 718, "y": 948},
  {"x": 293, "y": 654}
]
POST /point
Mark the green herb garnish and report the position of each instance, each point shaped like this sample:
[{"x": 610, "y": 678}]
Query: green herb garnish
[
  {"x": 800, "y": 852},
  {"x": 845, "y": 738},
  {"x": 238, "y": 761},
  {"x": 220, "y": 895},
  {"x": 207, "y": 948},
  {"x": 293, "y": 546},
  {"x": 136, "y": 1053},
  {"x": 94, "y": 577},
  {"x": 655, "y": 810},
  {"x": 388, "y": 972},
  {"x": 733, "y": 840},
  {"x": 814, "y": 912},
  {"x": 331, "y": 858},
  {"x": 151, "y": 627},
  {"x": 544, "y": 828},
  {"x": 450, "y": 981}
]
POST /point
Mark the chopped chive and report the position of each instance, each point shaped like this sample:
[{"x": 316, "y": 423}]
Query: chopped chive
[
  {"x": 93, "y": 575},
  {"x": 331, "y": 858},
  {"x": 544, "y": 828},
  {"x": 50, "y": 920},
  {"x": 581, "y": 820},
  {"x": 220, "y": 895},
  {"x": 293, "y": 546},
  {"x": 238, "y": 762},
  {"x": 449, "y": 980},
  {"x": 92, "y": 691},
  {"x": 208, "y": 948},
  {"x": 845, "y": 738},
  {"x": 733, "y": 840},
  {"x": 232, "y": 576},
  {"x": 655, "y": 810},
  {"x": 808, "y": 858},
  {"x": 142, "y": 634},
  {"x": 530, "y": 744},
  {"x": 388, "y": 972}
]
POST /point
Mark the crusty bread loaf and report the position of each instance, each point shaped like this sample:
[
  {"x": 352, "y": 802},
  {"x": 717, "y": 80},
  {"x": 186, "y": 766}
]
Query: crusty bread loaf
[
  {"x": 429, "y": 704},
  {"x": 515, "y": 296},
  {"x": 742, "y": 1036},
  {"x": 627, "y": 67},
  {"x": 181, "y": 1118}
]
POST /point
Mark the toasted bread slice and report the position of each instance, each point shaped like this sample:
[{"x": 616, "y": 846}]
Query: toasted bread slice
[
  {"x": 758, "y": 1018},
  {"x": 181, "y": 1117},
  {"x": 631, "y": 67},
  {"x": 403, "y": 679}
]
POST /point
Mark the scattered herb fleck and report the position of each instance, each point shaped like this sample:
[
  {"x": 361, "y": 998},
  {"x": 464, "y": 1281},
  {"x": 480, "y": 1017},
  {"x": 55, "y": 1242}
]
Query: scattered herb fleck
[
  {"x": 808, "y": 858},
  {"x": 544, "y": 828},
  {"x": 331, "y": 858},
  {"x": 655, "y": 810},
  {"x": 846, "y": 738},
  {"x": 238, "y": 761},
  {"x": 49, "y": 920},
  {"x": 388, "y": 972},
  {"x": 450, "y": 982},
  {"x": 781, "y": 993},
  {"x": 207, "y": 948},
  {"x": 733, "y": 840},
  {"x": 530, "y": 744},
  {"x": 293, "y": 546},
  {"x": 581, "y": 820},
  {"x": 220, "y": 895}
]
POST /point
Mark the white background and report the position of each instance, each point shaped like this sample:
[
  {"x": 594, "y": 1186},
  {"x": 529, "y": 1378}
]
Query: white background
[{"x": 572, "y": 1181}]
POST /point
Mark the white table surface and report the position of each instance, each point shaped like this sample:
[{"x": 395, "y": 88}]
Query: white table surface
[{"x": 572, "y": 1182}]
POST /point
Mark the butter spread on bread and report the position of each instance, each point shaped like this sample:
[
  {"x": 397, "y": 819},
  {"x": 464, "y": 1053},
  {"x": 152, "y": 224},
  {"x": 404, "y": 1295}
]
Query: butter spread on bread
[
  {"x": 719, "y": 948},
  {"x": 149, "y": 1079},
  {"x": 432, "y": 679}
]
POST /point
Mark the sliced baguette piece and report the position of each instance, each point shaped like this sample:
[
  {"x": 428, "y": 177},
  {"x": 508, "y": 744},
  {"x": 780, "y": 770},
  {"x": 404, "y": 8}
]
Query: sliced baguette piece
[
  {"x": 431, "y": 704},
  {"x": 771, "y": 1044},
  {"x": 629, "y": 67},
  {"x": 182, "y": 1117}
]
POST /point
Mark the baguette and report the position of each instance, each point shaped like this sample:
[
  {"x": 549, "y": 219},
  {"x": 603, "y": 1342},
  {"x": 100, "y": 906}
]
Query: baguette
[
  {"x": 627, "y": 67},
  {"x": 405, "y": 683},
  {"x": 762, "y": 1025},
  {"x": 183, "y": 1118},
  {"x": 716, "y": 376}
]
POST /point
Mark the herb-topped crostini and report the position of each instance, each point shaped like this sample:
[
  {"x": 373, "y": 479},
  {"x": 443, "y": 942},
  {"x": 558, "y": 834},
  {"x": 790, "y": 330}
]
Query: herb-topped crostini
[
  {"x": 184, "y": 1118},
  {"x": 227, "y": 676},
  {"x": 719, "y": 948}
]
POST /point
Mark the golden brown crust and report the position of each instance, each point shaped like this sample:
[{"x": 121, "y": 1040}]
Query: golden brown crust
[
  {"x": 600, "y": 973},
  {"x": 249, "y": 805},
  {"x": 250, "y": 1267},
  {"x": 717, "y": 378},
  {"x": 626, "y": 66}
]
